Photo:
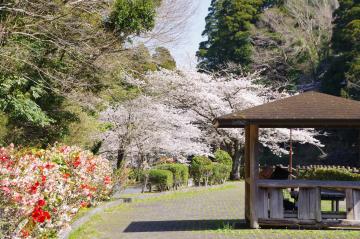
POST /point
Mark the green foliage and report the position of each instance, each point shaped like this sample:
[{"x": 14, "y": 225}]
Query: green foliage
[
  {"x": 137, "y": 175},
  {"x": 204, "y": 171},
  {"x": 329, "y": 174},
  {"x": 201, "y": 169},
  {"x": 343, "y": 76},
  {"x": 180, "y": 172},
  {"x": 53, "y": 73},
  {"x": 80, "y": 130},
  {"x": 25, "y": 133},
  {"x": 132, "y": 17},
  {"x": 221, "y": 167},
  {"x": 228, "y": 26},
  {"x": 140, "y": 60},
  {"x": 18, "y": 100},
  {"x": 163, "y": 58},
  {"x": 223, "y": 157},
  {"x": 220, "y": 173},
  {"x": 3, "y": 128},
  {"x": 162, "y": 179},
  {"x": 272, "y": 3}
]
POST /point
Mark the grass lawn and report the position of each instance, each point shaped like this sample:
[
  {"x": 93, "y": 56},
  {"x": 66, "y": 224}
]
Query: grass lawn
[{"x": 289, "y": 233}]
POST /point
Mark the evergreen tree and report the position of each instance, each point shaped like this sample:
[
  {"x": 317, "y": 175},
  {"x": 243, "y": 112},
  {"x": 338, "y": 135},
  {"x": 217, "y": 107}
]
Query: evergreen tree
[
  {"x": 228, "y": 26},
  {"x": 343, "y": 76}
]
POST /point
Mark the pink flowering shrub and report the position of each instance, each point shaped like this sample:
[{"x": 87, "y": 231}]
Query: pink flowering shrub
[{"x": 41, "y": 190}]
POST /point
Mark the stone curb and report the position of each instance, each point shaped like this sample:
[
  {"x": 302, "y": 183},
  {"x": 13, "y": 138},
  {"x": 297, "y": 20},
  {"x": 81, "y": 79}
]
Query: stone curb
[{"x": 65, "y": 233}]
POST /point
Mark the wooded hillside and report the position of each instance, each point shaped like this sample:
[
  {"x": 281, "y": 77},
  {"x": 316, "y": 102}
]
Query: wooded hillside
[
  {"x": 297, "y": 44},
  {"x": 62, "y": 61}
]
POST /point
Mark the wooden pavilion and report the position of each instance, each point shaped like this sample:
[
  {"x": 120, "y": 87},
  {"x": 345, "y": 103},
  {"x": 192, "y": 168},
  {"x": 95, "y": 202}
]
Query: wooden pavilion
[{"x": 264, "y": 197}]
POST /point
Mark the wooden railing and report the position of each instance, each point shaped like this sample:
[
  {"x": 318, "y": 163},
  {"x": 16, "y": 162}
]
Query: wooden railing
[
  {"x": 270, "y": 209},
  {"x": 269, "y": 183}
]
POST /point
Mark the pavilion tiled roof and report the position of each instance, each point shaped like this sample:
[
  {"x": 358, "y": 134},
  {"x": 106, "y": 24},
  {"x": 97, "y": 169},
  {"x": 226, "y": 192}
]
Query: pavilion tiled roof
[{"x": 310, "y": 109}]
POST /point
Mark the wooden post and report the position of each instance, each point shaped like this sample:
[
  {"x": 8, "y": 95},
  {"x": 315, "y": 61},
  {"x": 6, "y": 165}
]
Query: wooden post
[
  {"x": 317, "y": 199},
  {"x": 276, "y": 203},
  {"x": 352, "y": 204},
  {"x": 263, "y": 203},
  {"x": 253, "y": 173},
  {"x": 247, "y": 174},
  {"x": 290, "y": 156},
  {"x": 309, "y": 204},
  {"x": 356, "y": 201}
]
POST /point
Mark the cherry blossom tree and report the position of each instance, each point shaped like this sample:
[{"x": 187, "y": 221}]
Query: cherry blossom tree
[
  {"x": 206, "y": 96},
  {"x": 142, "y": 130}
]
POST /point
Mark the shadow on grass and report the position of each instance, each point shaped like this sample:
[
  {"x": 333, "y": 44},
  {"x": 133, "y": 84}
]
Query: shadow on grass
[{"x": 185, "y": 225}]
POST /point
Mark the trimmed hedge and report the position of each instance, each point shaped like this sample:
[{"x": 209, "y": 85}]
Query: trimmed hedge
[
  {"x": 180, "y": 172},
  {"x": 204, "y": 171},
  {"x": 329, "y": 174},
  {"x": 201, "y": 169},
  {"x": 220, "y": 173},
  {"x": 162, "y": 179},
  {"x": 223, "y": 157}
]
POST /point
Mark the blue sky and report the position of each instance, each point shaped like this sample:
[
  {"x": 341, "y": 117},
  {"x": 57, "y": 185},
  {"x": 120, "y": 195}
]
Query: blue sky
[{"x": 184, "y": 51}]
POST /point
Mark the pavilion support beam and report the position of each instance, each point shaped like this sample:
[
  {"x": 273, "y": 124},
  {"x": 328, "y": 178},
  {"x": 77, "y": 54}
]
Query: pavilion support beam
[
  {"x": 251, "y": 174},
  {"x": 247, "y": 174}
]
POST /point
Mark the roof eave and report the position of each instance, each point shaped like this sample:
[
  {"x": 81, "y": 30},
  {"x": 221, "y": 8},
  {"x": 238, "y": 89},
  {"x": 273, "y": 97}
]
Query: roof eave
[{"x": 290, "y": 123}]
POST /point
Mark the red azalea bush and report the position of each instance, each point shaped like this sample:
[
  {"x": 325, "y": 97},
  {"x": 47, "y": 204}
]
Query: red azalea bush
[{"x": 41, "y": 190}]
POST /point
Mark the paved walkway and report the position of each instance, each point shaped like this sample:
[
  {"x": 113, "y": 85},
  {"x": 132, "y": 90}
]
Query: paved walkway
[{"x": 203, "y": 213}]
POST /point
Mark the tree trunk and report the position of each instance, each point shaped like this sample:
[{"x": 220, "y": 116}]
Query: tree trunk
[
  {"x": 235, "y": 172},
  {"x": 358, "y": 164},
  {"x": 235, "y": 149},
  {"x": 145, "y": 184},
  {"x": 120, "y": 158}
]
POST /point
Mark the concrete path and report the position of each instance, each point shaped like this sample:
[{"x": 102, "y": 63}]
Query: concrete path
[{"x": 201, "y": 213}]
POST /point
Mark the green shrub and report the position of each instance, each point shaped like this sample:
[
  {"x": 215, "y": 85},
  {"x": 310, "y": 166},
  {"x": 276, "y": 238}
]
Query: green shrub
[
  {"x": 223, "y": 157},
  {"x": 222, "y": 166},
  {"x": 201, "y": 169},
  {"x": 184, "y": 174},
  {"x": 220, "y": 173},
  {"x": 162, "y": 179},
  {"x": 329, "y": 174},
  {"x": 180, "y": 172},
  {"x": 131, "y": 17},
  {"x": 137, "y": 175}
]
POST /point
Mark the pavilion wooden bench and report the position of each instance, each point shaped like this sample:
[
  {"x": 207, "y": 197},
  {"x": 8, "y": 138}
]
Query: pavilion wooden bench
[
  {"x": 270, "y": 209},
  {"x": 333, "y": 195}
]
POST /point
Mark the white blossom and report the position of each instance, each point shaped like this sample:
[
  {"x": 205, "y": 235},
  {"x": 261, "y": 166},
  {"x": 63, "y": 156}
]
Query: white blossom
[
  {"x": 174, "y": 116},
  {"x": 208, "y": 96},
  {"x": 146, "y": 128}
]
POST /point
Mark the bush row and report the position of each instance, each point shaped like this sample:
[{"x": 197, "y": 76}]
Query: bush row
[
  {"x": 166, "y": 176},
  {"x": 162, "y": 179},
  {"x": 338, "y": 174},
  {"x": 205, "y": 172},
  {"x": 180, "y": 172},
  {"x": 172, "y": 175}
]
